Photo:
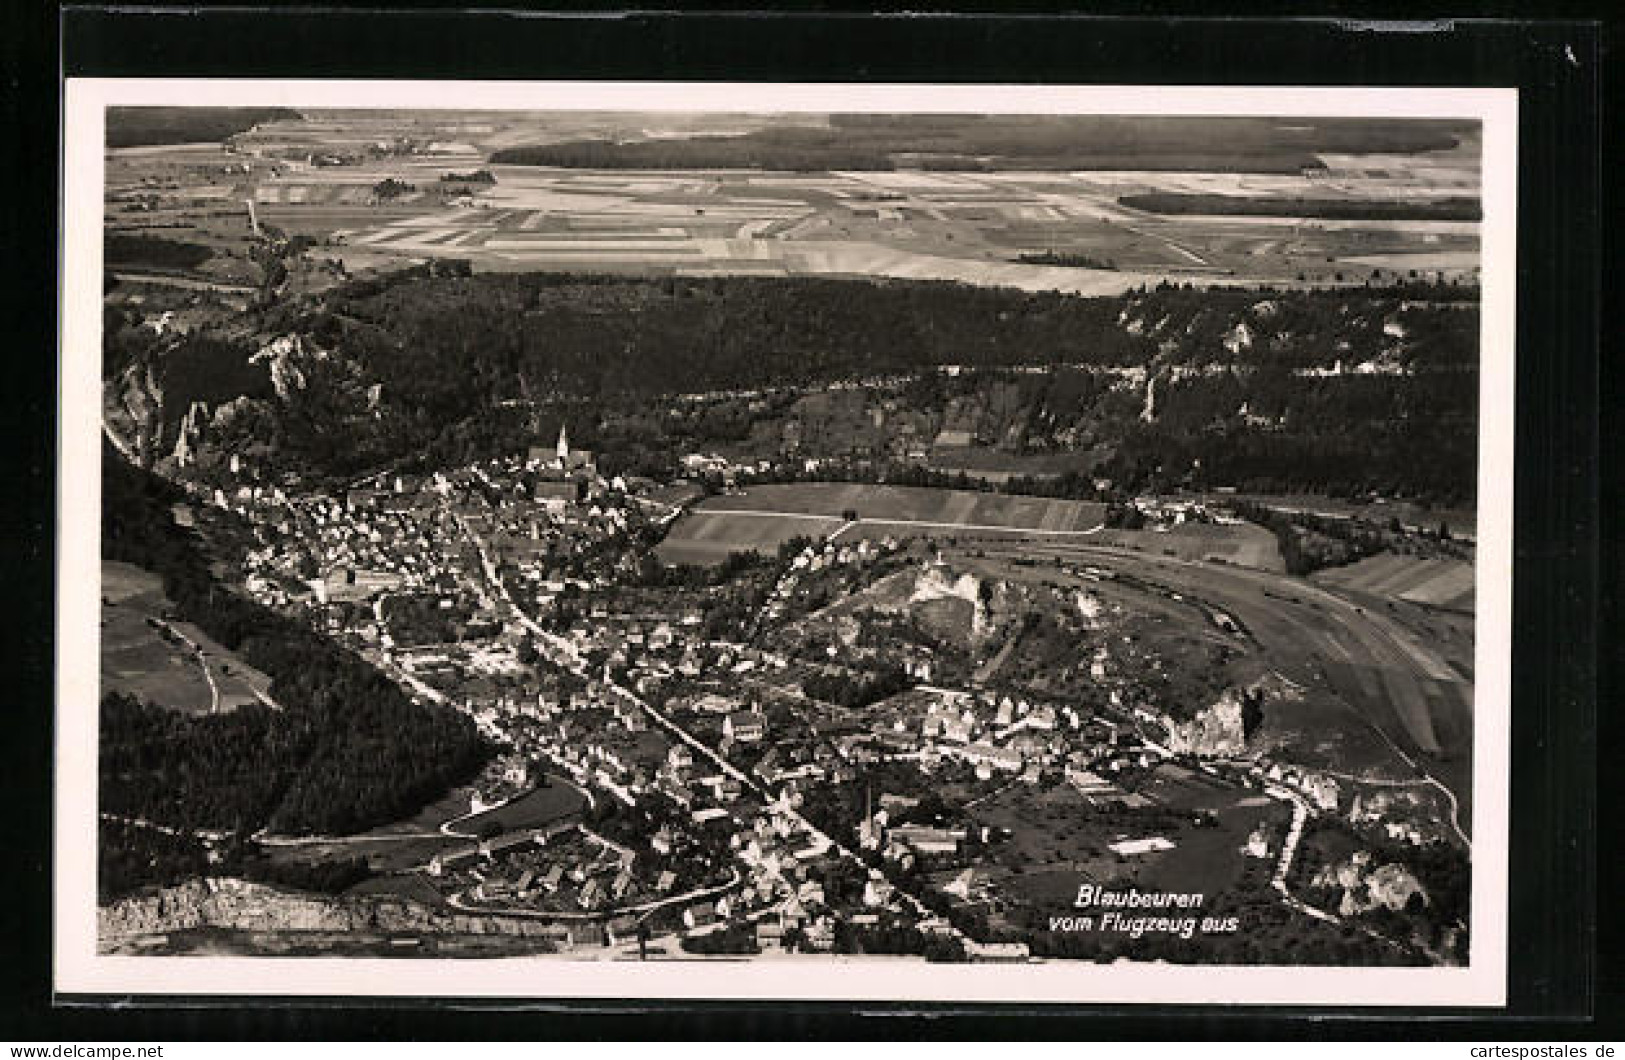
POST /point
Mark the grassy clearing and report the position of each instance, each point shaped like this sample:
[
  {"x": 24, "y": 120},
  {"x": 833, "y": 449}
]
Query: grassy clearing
[
  {"x": 143, "y": 653},
  {"x": 1058, "y": 842},
  {"x": 1244, "y": 544},
  {"x": 915, "y": 503},
  {"x": 535, "y": 809}
]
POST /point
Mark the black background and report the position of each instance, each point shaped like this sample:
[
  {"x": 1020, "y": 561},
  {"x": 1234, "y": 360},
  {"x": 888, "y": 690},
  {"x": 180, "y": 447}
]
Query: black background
[{"x": 1558, "y": 989}]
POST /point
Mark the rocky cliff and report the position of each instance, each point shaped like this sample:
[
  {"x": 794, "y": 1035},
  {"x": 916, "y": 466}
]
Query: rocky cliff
[
  {"x": 1366, "y": 887},
  {"x": 244, "y": 906},
  {"x": 1215, "y": 731}
]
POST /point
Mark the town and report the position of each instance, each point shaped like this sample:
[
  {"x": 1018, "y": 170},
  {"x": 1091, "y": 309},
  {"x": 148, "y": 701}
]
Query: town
[
  {"x": 835, "y": 747},
  {"x": 512, "y": 548}
]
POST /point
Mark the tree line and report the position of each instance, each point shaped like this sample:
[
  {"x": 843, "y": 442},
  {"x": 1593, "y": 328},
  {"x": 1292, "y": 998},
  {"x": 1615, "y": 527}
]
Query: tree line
[
  {"x": 348, "y": 751},
  {"x": 1450, "y": 208},
  {"x": 1253, "y": 388}
]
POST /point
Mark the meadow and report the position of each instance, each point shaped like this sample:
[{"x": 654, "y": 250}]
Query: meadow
[
  {"x": 1245, "y": 544},
  {"x": 1446, "y": 583},
  {"x": 605, "y": 201},
  {"x": 143, "y": 653},
  {"x": 763, "y": 517}
]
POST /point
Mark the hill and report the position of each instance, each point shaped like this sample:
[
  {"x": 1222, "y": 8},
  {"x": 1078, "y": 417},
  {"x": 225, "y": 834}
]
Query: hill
[{"x": 1327, "y": 390}]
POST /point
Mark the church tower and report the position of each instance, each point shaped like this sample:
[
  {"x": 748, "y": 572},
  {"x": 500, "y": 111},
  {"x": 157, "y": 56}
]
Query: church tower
[
  {"x": 564, "y": 447},
  {"x": 867, "y": 833}
]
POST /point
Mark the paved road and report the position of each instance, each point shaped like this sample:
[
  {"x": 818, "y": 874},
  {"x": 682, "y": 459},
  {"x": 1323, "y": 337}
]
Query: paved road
[{"x": 573, "y": 661}]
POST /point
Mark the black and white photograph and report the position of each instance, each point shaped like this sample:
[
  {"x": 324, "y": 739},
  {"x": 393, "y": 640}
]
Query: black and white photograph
[{"x": 834, "y": 541}]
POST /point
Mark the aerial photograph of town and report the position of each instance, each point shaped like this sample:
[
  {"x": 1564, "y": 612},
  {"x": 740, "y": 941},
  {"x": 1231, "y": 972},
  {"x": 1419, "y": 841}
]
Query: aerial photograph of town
[{"x": 772, "y": 537}]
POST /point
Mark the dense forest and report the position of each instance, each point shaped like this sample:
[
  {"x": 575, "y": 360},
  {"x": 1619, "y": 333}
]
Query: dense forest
[
  {"x": 1455, "y": 208},
  {"x": 347, "y": 750},
  {"x": 150, "y": 126},
  {"x": 1071, "y": 260},
  {"x": 133, "y": 856},
  {"x": 127, "y": 248},
  {"x": 1003, "y": 142},
  {"x": 1331, "y": 390}
]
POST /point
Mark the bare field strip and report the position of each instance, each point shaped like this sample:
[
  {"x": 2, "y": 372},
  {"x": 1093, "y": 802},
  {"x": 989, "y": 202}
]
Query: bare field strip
[
  {"x": 707, "y": 537},
  {"x": 1439, "y": 582},
  {"x": 915, "y": 503}
]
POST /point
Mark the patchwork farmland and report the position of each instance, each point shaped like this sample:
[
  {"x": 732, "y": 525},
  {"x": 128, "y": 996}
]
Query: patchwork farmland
[
  {"x": 762, "y": 517},
  {"x": 1064, "y": 230},
  {"x": 971, "y": 228}
]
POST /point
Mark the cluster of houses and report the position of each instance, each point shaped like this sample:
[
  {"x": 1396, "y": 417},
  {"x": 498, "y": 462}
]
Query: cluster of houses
[
  {"x": 1323, "y": 792},
  {"x": 317, "y": 550},
  {"x": 585, "y": 874},
  {"x": 413, "y": 535},
  {"x": 996, "y": 734},
  {"x": 819, "y": 557}
]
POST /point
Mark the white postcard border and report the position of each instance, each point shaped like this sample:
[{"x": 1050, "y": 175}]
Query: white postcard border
[{"x": 79, "y": 969}]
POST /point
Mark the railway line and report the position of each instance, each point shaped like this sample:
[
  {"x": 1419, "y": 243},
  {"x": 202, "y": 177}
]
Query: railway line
[{"x": 1398, "y": 687}]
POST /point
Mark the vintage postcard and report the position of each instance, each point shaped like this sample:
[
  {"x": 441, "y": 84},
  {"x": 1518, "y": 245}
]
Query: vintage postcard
[{"x": 861, "y": 542}]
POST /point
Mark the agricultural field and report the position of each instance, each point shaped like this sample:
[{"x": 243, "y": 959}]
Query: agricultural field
[
  {"x": 1446, "y": 583},
  {"x": 317, "y": 176},
  {"x": 537, "y": 808},
  {"x": 970, "y": 228},
  {"x": 1244, "y": 544},
  {"x": 169, "y": 663},
  {"x": 915, "y": 504},
  {"x": 762, "y": 517},
  {"x": 704, "y": 536}
]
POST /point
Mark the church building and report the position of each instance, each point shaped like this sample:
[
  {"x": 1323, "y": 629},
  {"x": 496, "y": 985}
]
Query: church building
[{"x": 562, "y": 457}]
